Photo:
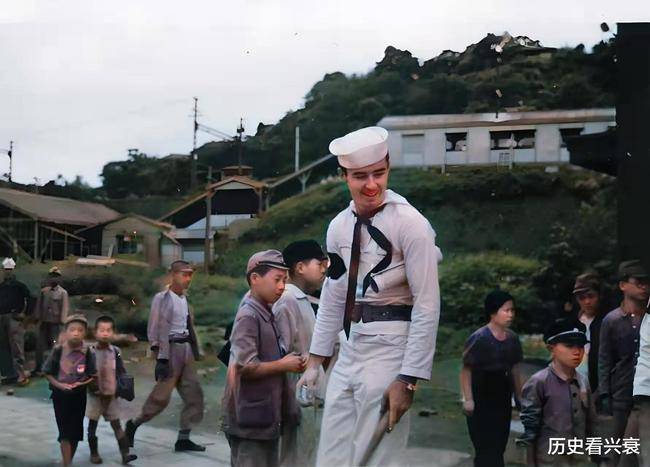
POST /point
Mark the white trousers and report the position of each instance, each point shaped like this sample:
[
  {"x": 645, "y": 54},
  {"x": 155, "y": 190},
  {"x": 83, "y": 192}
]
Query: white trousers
[{"x": 365, "y": 368}]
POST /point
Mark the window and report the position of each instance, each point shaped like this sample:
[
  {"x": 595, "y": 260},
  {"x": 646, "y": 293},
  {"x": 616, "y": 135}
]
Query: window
[
  {"x": 127, "y": 244},
  {"x": 456, "y": 141},
  {"x": 566, "y": 133},
  {"x": 413, "y": 149},
  {"x": 522, "y": 139}
]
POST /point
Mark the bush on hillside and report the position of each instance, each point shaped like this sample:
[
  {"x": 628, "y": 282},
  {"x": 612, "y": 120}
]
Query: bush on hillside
[{"x": 466, "y": 280}]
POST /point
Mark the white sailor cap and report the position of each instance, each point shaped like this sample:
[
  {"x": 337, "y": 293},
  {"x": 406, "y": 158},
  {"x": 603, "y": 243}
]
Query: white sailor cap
[
  {"x": 361, "y": 148},
  {"x": 8, "y": 263}
]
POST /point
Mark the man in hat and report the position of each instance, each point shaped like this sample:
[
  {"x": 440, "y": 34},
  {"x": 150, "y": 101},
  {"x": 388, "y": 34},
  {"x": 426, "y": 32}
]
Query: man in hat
[
  {"x": 174, "y": 343},
  {"x": 382, "y": 290},
  {"x": 556, "y": 402},
  {"x": 588, "y": 294},
  {"x": 14, "y": 299},
  {"x": 617, "y": 356},
  {"x": 296, "y": 318},
  {"x": 52, "y": 309}
]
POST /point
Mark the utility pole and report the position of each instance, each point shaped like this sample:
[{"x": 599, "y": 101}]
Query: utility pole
[
  {"x": 207, "y": 253},
  {"x": 297, "y": 164},
  {"x": 194, "y": 156},
  {"x": 240, "y": 133}
]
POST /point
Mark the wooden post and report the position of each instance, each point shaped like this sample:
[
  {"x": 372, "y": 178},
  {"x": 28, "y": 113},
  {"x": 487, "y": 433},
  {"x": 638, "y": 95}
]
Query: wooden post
[
  {"x": 207, "y": 253},
  {"x": 36, "y": 246}
]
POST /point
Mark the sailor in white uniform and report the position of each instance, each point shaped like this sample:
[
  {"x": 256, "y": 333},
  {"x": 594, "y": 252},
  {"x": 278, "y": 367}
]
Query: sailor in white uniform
[{"x": 382, "y": 290}]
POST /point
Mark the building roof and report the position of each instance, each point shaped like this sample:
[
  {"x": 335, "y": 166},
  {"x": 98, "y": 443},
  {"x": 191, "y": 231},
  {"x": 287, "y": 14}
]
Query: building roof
[
  {"x": 235, "y": 181},
  {"x": 536, "y": 117},
  {"x": 56, "y": 210},
  {"x": 161, "y": 225}
]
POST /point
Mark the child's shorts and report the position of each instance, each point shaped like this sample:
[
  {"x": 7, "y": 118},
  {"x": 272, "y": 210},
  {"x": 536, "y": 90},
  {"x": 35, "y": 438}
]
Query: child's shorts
[
  {"x": 69, "y": 409},
  {"x": 107, "y": 406}
]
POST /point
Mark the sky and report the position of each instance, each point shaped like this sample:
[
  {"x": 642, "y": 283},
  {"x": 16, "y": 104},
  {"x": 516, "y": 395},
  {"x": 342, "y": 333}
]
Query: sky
[{"x": 82, "y": 81}]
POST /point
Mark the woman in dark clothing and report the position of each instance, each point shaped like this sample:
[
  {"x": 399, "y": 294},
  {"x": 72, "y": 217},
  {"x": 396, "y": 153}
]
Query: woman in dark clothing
[
  {"x": 591, "y": 309},
  {"x": 489, "y": 376}
]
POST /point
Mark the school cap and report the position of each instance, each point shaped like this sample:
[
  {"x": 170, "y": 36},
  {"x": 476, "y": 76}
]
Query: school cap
[
  {"x": 8, "y": 263},
  {"x": 566, "y": 331},
  {"x": 584, "y": 282},
  {"x": 181, "y": 266},
  {"x": 272, "y": 258},
  {"x": 76, "y": 318},
  {"x": 302, "y": 250},
  {"x": 632, "y": 268},
  {"x": 361, "y": 148}
]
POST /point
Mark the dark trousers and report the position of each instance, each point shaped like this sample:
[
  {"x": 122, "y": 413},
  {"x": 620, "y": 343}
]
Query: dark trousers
[
  {"x": 489, "y": 429},
  {"x": 253, "y": 452}
]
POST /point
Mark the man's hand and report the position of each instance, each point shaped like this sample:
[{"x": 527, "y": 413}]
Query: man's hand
[
  {"x": 293, "y": 363},
  {"x": 468, "y": 407},
  {"x": 397, "y": 400},
  {"x": 162, "y": 369},
  {"x": 65, "y": 386},
  {"x": 309, "y": 378}
]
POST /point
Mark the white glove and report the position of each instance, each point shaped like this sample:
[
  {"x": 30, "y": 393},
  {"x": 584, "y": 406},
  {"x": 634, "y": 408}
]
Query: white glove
[{"x": 306, "y": 387}]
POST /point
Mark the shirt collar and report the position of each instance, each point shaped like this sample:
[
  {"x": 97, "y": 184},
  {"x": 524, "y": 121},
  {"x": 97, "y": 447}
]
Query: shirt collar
[
  {"x": 295, "y": 291},
  {"x": 573, "y": 380},
  {"x": 262, "y": 309}
]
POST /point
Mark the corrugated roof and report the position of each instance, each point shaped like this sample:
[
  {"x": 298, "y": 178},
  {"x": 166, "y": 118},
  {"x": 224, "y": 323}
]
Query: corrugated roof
[{"x": 56, "y": 210}]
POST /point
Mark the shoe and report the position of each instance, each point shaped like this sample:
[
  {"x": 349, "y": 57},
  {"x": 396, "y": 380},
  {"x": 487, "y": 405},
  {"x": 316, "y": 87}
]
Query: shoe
[
  {"x": 123, "y": 443},
  {"x": 94, "y": 451},
  {"x": 129, "y": 431},
  {"x": 187, "y": 445},
  {"x": 23, "y": 382}
]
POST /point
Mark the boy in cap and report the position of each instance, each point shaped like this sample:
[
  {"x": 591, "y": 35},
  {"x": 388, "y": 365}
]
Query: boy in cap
[
  {"x": 382, "y": 290},
  {"x": 588, "y": 294},
  {"x": 14, "y": 300},
  {"x": 173, "y": 340},
  {"x": 295, "y": 317},
  {"x": 617, "y": 356},
  {"x": 259, "y": 399},
  {"x": 556, "y": 402},
  {"x": 102, "y": 397},
  {"x": 69, "y": 368},
  {"x": 52, "y": 309}
]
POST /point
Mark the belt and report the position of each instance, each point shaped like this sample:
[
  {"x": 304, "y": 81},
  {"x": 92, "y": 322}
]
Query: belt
[
  {"x": 369, "y": 313},
  {"x": 179, "y": 340}
]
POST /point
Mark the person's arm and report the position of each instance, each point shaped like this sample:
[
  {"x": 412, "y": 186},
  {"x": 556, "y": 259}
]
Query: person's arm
[
  {"x": 518, "y": 378},
  {"x": 285, "y": 312},
  {"x": 59, "y": 385},
  {"x": 605, "y": 364},
  {"x": 329, "y": 321},
  {"x": 466, "y": 390},
  {"x": 531, "y": 411},
  {"x": 245, "y": 344}
]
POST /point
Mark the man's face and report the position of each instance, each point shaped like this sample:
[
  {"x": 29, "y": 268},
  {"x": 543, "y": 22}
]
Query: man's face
[
  {"x": 182, "y": 279},
  {"x": 312, "y": 272},
  {"x": 270, "y": 286},
  {"x": 368, "y": 185},
  {"x": 568, "y": 355},
  {"x": 636, "y": 289},
  {"x": 588, "y": 302},
  {"x": 75, "y": 333},
  {"x": 104, "y": 332}
]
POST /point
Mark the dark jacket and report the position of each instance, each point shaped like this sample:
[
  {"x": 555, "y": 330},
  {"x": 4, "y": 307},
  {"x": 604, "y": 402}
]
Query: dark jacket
[
  {"x": 14, "y": 296},
  {"x": 159, "y": 324},
  {"x": 257, "y": 408},
  {"x": 618, "y": 352}
]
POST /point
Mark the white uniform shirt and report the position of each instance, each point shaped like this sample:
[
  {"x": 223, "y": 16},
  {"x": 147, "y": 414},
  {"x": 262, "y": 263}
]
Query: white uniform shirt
[
  {"x": 410, "y": 279},
  {"x": 179, "y": 318},
  {"x": 642, "y": 373}
]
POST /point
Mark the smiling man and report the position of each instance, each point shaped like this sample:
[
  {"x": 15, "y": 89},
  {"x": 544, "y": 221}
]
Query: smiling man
[{"x": 382, "y": 290}]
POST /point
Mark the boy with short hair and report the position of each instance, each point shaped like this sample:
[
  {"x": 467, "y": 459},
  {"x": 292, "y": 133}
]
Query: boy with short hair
[
  {"x": 258, "y": 398},
  {"x": 556, "y": 402},
  {"x": 69, "y": 368},
  {"x": 102, "y": 398}
]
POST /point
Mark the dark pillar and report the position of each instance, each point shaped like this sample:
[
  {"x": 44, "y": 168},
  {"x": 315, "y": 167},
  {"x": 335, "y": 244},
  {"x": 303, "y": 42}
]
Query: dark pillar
[{"x": 633, "y": 135}]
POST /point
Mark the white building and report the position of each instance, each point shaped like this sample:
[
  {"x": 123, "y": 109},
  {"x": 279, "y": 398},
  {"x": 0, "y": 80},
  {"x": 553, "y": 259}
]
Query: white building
[{"x": 489, "y": 138}]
